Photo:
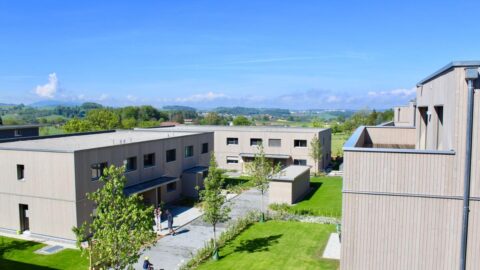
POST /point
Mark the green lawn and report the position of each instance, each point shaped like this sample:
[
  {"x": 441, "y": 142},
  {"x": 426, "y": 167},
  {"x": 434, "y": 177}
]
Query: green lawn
[
  {"x": 277, "y": 245},
  {"x": 19, "y": 255},
  {"x": 338, "y": 140},
  {"x": 326, "y": 198}
]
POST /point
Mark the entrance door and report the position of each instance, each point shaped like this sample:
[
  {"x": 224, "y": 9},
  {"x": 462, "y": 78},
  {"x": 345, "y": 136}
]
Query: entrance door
[{"x": 24, "y": 220}]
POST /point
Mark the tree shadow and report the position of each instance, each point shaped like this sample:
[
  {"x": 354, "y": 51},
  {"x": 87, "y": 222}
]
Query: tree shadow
[
  {"x": 6, "y": 246},
  {"x": 9, "y": 264},
  {"x": 258, "y": 244},
  {"x": 314, "y": 186}
]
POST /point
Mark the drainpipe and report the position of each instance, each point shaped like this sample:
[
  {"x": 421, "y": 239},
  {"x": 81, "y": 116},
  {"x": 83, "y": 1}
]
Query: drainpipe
[{"x": 471, "y": 75}]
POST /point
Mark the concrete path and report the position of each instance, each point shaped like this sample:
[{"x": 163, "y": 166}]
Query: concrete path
[
  {"x": 332, "y": 250},
  {"x": 181, "y": 216},
  {"x": 170, "y": 252}
]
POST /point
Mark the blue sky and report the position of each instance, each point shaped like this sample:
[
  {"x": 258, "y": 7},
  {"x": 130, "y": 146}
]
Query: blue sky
[{"x": 289, "y": 54}]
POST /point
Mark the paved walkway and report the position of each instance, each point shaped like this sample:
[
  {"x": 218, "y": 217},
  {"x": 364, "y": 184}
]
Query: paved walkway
[
  {"x": 182, "y": 216},
  {"x": 170, "y": 252},
  {"x": 332, "y": 250}
]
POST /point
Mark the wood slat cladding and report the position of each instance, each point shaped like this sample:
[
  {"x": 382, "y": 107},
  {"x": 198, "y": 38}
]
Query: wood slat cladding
[{"x": 403, "y": 209}]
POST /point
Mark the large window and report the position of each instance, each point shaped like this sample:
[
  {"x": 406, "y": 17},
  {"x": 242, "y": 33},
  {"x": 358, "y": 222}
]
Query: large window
[
  {"x": 204, "y": 148},
  {"x": 232, "y": 160},
  {"x": 300, "y": 143},
  {"x": 130, "y": 164},
  {"x": 97, "y": 170},
  {"x": 255, "y": 141},
  {"x": 439, "y": 111},
  {"x": 171, "y": 155},
  {"x": 189, "y": 151},
  {"x": 149, "y": 160},
  {"x": 232, "y": 141},
  {"x": 274, "y": 142},
  {"x": 20, "y": 172},
  {"x": 300, "y": 162},
  {"x": 171, "y": 186},
  {"x": 18, "y": 132}
]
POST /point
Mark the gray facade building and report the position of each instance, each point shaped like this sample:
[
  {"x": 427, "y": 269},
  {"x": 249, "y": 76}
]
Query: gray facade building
[
  {"x": 45, "y": 181},
  {"x": 18, "y": 131}
]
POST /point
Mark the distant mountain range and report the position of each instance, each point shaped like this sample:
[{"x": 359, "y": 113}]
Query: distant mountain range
[{"x": 53, "y": 103}]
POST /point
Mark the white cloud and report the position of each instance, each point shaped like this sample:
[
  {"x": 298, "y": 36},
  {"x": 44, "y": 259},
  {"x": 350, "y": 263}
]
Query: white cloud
[
  {"x": 209, "y": 96},
  {"x": 401, "y": 92},
  {"x": 103, "y": 97},
  {"x": 132, "y": 98},
  {"x": 49, "y": 89}
]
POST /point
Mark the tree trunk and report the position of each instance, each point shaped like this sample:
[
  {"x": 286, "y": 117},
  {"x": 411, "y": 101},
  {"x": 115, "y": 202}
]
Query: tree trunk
[{"x": 215, "y": 250}]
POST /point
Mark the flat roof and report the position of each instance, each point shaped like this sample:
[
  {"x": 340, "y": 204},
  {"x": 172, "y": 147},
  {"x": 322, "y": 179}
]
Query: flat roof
[
  {"x": 237, "y": 128},
  {"x": 144, "y": 186},
  {"x": 196, "y": 169},
  {"x": 3, "y": 127},
  {"x": 290, "y": 173},
  {"x": 90, "y": 141},
  {"x": 447, "y": 67}
]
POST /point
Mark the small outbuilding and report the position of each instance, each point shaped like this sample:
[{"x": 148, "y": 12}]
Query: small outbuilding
[{"x": 290, "y": 185}]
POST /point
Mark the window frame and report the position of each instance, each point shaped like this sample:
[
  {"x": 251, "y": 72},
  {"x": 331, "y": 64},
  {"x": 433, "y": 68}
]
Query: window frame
[
  {"x": 270, "y": 140},
  {"x": 300, "y": 144},
  {"x": 299, "y": 162},
  {"x": 102, "y": 166},
  {"x": 127, "y": 162},
  {"x": 256, "y": 140},
  {"x": 204, "y": 148},
  {"x": 153, "y": 164},
  {"x": 174, "y": 151},
  {"x": 230, "y": 139},
  {"x": 187, "y": 152},
  {"x": 20, "y": 172}
]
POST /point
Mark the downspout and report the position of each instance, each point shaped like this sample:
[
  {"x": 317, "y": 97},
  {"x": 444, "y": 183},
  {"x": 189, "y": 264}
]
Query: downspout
[{"x": 471, "y": 75}]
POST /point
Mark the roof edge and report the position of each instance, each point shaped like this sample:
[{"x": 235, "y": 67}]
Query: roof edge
[{"x": 451, "y": 65}]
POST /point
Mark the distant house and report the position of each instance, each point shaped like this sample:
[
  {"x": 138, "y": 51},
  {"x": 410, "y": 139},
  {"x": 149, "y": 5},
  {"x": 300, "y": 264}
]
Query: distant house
[
  {"x": 188, "y": 121},
  {"x": 17, "y": 131},
  {"x": 235, "y": 146}
]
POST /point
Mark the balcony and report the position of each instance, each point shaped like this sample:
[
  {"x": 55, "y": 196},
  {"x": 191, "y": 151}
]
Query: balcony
[{"x": 384, "y": 160}]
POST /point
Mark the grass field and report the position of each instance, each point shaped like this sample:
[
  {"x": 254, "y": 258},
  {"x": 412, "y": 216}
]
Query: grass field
[
  {"x": 325, "y": 200},
  {"x": 19, "y": 255},
  {"x": 277, "y": 245},
  {"x": 338, "y": 140}
]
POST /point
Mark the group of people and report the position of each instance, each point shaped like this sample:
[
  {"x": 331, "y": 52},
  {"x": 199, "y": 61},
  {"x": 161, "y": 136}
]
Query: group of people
[{"x": 158, "y": 220}]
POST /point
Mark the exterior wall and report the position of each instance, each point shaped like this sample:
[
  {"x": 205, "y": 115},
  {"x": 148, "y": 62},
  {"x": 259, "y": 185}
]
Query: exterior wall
[
  {"x": 222, "y": 150},
  {"x": 300, "y": 186},
  {"x": 404, "y": 116},
  {"x": 115, "y": 155},
  {"x": 403, "y": 209},
  {"x": 280, "y": 192},
  {"x": 25, "y": 132},
  {"x": 189, "y": 183},
  {"x": 48, "y": 190}
]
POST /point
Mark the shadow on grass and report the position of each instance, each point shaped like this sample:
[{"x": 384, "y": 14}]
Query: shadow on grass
[
  {"x": 8, "y": 264},
  {"x": 258, "y": 244},
  {"x": 314, "y": 187},
  {"x": 7, "y": 246}
]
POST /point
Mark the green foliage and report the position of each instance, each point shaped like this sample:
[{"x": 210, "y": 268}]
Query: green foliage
[
  {"x": 215, "y": 209},
  {"x": 77, "y": 125},
  {"x": 277, "y": 245},
  {"x": 121, "y": 227},
  {"x": 213, "y": 118},
  {"x": 103, "y": 119},
  {"x": 241, "y": 121},
  {"x": 316, "y": 151}
]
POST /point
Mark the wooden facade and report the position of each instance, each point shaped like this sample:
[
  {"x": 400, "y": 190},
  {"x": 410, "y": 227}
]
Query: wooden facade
[{"x": 402, "y": 207}]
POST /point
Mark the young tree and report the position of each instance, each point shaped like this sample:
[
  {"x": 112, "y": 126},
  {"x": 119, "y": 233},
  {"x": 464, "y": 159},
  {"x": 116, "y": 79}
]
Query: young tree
[
  {"x": 261, "y": 171},
  {"x": 316, "y": 151},
  {"x": 121, "y": 227},
  {"x": 215, "y": 209}
]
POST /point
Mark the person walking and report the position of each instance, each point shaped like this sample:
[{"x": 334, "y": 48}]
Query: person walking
[
  {"x": 170, "y": 222},
  {"x": 158, "y": 218},
  {"x": 147, "y": 265},
  {"x": 155, "y": 213}
]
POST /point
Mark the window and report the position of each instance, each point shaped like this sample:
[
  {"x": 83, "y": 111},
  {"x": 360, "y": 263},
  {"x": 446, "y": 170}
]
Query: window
[
  {"x": 97, "y": 170},
  {"x": 232, "y": 141},
  {"x": 255, "y": 141},
  {"x": 300, "y": 162},
  {"x": 439, "y": 111},
  {"x": 149, "y": 160},
  {"x": 171, "y": 186},
  {"x": 232, "y": 160},
  {"x": 189, "y": 151},
  {"x": 274, "y": 142},
  {"x": 204, "y": 148},
  {"x": 18, "y": 132},
  {"x": 20, "y": 172},
  {"x": 423, "y": 126},
  {"x": 300, "y": 143},
  {"x": 171, "y": 155},
  {"x": 130, "y": 164}
]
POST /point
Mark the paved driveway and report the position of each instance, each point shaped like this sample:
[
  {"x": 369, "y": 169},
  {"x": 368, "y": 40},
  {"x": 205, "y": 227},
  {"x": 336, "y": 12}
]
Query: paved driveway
[{"x": 172, "y": 251}]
